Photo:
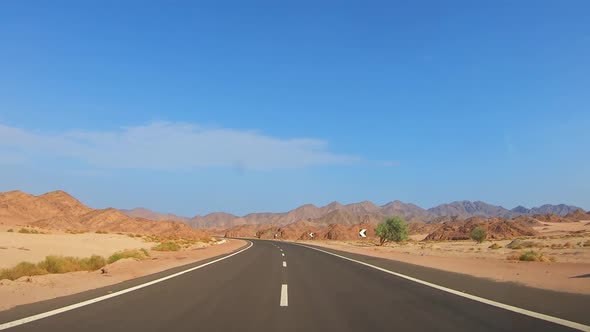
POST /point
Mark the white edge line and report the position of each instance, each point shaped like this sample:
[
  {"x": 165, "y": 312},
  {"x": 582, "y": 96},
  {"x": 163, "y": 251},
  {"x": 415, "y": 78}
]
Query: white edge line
[
  {"x": 284, "y": 296},
  {"x": 525, "y": 312},
  {"x": 105, "y": 297}
]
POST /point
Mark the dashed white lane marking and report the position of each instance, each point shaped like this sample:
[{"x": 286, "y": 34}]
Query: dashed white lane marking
[
  {"x": 105, "y": 297},
  {"x": 284, "y": 264},
  {"x": 525, "y": 312},
  {"x": 284, "y": 296},
  {"x": 283, "y": 255}
]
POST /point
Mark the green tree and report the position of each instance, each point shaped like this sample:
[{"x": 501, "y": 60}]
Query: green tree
[
  {"x": 478, "y": 234},
  {"x": 392, "y": 229}
]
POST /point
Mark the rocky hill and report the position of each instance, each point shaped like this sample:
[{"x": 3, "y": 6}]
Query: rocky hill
[
  {"x": 60, "y": 211},
  {"x": 349, "y": 214}
]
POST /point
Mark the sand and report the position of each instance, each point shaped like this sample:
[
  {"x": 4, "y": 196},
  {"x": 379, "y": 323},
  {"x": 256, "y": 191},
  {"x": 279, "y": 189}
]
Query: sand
[
  {"x": 571, "y": 275},
  {"x": 16, "y": 247},
  {"x": 39, "y": 288}
]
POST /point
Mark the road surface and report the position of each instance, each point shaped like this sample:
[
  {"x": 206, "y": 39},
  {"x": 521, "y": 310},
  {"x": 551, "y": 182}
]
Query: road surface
[{"x": 278, "y": 286}]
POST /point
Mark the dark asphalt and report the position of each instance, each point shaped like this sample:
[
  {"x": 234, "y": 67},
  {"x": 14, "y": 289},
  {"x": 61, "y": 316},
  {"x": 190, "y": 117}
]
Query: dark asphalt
[{"x": 325, "y": 293}]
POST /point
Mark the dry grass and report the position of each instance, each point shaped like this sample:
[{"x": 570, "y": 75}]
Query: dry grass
[
  {"x": 10, "y": 230},
  {"x": 495, "y": 246},
  {"x": 28, "y": 231},
  {"x": 21, "y": 270},
  {"x": 520, "y": 244},
  {"x": 102, "y": 232},
  {"x": 531, "y": 256},
  {"x": 53, "y": 264},
  {"x": 167, "y": 246},
  {"x": 73, "y": 231},
  {"x": 135, "y": 254}
]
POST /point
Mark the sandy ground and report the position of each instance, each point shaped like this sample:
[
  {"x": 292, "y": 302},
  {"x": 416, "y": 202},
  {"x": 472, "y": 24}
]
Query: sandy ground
[
  {"x": 570, "y": 272},
  {"x": 16, "y": 247},
  {"x": 38, "y": 288},
  {"x": 565, "y": 277}
]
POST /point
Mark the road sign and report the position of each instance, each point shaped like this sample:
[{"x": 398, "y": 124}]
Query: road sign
[
  {"x": 363, "y": 233},
  {"x": 311, "y": 235}
]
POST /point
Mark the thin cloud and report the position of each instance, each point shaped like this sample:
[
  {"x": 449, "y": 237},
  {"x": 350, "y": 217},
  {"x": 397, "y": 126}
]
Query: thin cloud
[{"x": 164, "y": 145}]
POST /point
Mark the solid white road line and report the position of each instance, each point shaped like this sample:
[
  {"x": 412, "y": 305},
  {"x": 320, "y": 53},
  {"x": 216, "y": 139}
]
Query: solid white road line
[
  {"x": 284, "y": 264},
  {"x": 525, "y": 312},
  {"x": 284, "y": 296},
  {"x": 105, "y": 297}
]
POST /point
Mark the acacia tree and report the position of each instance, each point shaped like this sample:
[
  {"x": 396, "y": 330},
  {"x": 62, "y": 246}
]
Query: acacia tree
[
  {"x": 392, "y": 229},
  {"x": 478, "y": 234}
]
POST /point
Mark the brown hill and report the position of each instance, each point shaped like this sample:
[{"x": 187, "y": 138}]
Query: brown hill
[
  {"x": 550, "y": 218},
  {"x": 58, "y": 210},
  {"x": 152, "y": 215},
  {"x": 578, "y": 215},
  {"x": 408, "y": 211},
  {"x": 496, "y": 228},
  {"x": 17, "y": 207}
]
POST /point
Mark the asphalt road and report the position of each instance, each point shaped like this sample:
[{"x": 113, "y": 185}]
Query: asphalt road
[{"x": 276, "y": 286}]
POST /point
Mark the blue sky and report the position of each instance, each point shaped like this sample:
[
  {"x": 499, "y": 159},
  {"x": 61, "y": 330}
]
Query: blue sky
[{"x": 193, "y": 107}]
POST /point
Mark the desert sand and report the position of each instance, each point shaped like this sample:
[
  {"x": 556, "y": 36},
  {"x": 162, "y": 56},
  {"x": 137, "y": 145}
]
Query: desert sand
[
  {"x": 16, "y": 247},
  {"x": 38, "y": 288},
  {"x": 570, "y": 272}
]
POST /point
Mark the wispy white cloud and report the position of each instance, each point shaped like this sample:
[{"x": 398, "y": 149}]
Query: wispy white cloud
[{"x": 165, "y": 145}]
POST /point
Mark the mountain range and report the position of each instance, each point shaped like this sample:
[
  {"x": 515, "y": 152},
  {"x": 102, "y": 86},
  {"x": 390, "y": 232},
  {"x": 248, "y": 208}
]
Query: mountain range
[
  {"x": 57, "y": 210},
  {"x": 354, "y": 213}
]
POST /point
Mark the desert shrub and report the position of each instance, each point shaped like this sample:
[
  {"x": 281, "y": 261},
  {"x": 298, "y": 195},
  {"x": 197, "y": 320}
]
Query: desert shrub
[
  {"x": 520, "y": 244},
  {"x": 10, "y": 230},
  {"x": 167, "y": 246},
  {"x": 53, "y": 264},
  {"x": 531, "y": 256},
  {"x": 495, "y": 246},
  {"x": 102, "y": 232},
  {"x": 392, "y": 229},
  {"x": 587, "y": 243},
  {"x": 21, "y": 270},
  {"x": 65, "y": 264},
  {"x": 478, "y": 234},
  {"x": 136, "y": 254},
  {"x": 145, "y": 252},
  {"x": 28, "y": 231}
]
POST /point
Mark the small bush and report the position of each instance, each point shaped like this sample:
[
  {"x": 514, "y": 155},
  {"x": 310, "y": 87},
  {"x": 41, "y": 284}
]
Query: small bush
[
  {"x": 101, "y": 232},
  {"x": 495, "y": 246},
  {"x": 65, "y": 264},
  {"x": 531, "y": 256},
  {"x": 145, "y": 252},
  {"x": 21, "y": 270},
  {"x": 587, "y": 243},
  {"x": 28, "y": 231},
  {"x": 53, "y": 264},
  {"x": 392, "y": 229},
  {"x": 136, "y": 254},
  {"x": 478, "y": 234},
  {"x": 520, "y": 244},
  {"x": 167, "y": 246},
  {"x": 10, "y": 230}
]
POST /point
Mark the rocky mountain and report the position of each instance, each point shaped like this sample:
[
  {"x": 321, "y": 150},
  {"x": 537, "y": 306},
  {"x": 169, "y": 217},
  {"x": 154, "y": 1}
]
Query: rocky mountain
[
  {"x": 349, "y": 214},
  {"x": 408, "y": 211},
  {"x": 58, "y": 210},
  {"x": 149, "y": 214},
  {"x": 466, "y": 209},
  {"x": 560, "y": 209},
  {"x": 496, "y": 228}
]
